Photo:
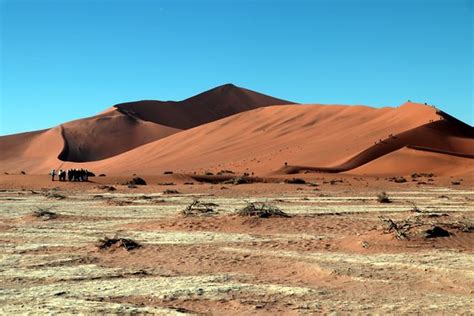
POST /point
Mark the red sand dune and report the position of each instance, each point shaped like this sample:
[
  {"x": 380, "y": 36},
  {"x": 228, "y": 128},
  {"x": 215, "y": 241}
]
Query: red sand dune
[
  {"x": 107, "y": 135},
  {"x": 203, "y": 108},
  {"x": 262, "y": 140},
  {"x": 130, "y": 125},
  {"x": 146, "y": 138}
]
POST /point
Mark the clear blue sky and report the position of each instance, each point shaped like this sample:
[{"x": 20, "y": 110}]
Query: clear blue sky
[{"x": 63, "y": 60}]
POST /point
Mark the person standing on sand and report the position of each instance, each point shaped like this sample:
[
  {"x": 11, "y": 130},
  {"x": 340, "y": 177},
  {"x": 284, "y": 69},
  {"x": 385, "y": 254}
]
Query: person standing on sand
[{"x": 52, "y": 174}]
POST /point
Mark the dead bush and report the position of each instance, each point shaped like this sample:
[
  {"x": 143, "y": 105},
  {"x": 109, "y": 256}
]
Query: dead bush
[
  {"x": 54, "y": 195},
  {"x": 168, "y": 191},
  {"x": 106, "y": 188},
  {"x": 295, "y": 181},
  {"x": 435, "y": 232},
  {"x": 223, "y": 172},
  {"x": 45, "y": 214},
  {"x": 116, "y": 242},
  {"x": 401, "y": 229},
  {"x": 136, "y": 181},
  {"x": 197, "y": 208},
  {"x": 383, "y": 198},
  {"x": 238, "y": 180},
  {"x": 261, "y": 210},
  {"x": 397, "y": 179}
]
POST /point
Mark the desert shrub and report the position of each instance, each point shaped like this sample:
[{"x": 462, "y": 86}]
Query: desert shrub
[
  {"x": 116, "y": 242},
  {"x": 435, "y": 232},
  {"x": 165, "y": 183},
  {"x": 397, "y": 179},
  {"x": 383, "y": 198},
  {"x": 455, "y": 182},
  {"x": 261, "y": 210},
  {"x": 106, "y": 187},
  {"x": 54, "y": 195},
  {"x": 197, "y": 208},
  {"x": 222, "y": 172},
  {"x": 295, "y": 181},
  {"x": 23, "y": 173},
  {"x": 415, "y": 208},
  {"x": 240, "y": 180},
  {"x": 45, "y": 214},
  {"x": 168, "y": 191},
  {"x": 102, "y": 175},
  {"x": 168, "y": 172},
  {"x": 189, "y": 183},
  {"x": 136, "y": 181}
]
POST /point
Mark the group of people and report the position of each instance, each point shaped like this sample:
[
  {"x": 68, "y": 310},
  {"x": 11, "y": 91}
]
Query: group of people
[{"x": 70, "y": 175}]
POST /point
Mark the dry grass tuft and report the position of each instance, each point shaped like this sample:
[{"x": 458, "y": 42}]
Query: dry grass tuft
[{"x": 261, "y": 210}]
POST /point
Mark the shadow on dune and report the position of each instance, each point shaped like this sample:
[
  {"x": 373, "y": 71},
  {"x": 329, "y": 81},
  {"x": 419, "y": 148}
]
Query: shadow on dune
[{"x": 448, "y": 136}]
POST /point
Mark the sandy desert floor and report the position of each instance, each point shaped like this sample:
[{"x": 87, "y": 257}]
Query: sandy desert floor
[{"x": 333, "y": 254}]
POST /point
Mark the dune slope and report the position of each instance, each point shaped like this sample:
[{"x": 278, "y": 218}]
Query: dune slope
[
  {"x": 107, "y": 135},
  {"x": 130, "y": 125},
  {"x": 326, "y": 137},
  {"x": 211, "y": 105}
]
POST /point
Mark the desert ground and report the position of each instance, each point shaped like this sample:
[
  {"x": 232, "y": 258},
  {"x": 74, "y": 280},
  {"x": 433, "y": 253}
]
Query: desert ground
[{"x": 335, "y": 248}]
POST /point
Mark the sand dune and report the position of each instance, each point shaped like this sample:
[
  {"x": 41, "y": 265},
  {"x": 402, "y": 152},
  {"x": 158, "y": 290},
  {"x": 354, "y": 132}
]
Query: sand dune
[
  {"x": 107, "y": 135},
  {"x": 35, "y": 151},
  {"x": 262, "y": 140},
  {"x": 147, "y": 138},
  {"x": 130, "y": 125},
  {"x": 445, "y": 136},
  {"x": 211, "y": 105}
]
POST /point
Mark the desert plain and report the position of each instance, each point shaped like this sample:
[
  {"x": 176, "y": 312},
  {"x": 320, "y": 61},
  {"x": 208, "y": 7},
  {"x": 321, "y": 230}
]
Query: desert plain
[{"x": 333, "y": 253}]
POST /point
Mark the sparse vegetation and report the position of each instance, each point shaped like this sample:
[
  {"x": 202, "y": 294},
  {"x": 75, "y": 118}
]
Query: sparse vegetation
[
  {"x": 54, "y": 195},
  {"x": 106, "y": 187},
  {"x": 415, "y": 208},
  {"x": 295, "y": 181},
  {"x": 45, "y": 214},
  {"x": 136, "y": 181},
  {"x": 116, "y": 242},
  {"x": 382, "y": 197},
  {"x": 397, "y": 179},
  {"x": 435, "y": 232},
  {"x": 401, "y": 229},
  {"x": 197, "y": 208},
  {"x": 238, "y": 180},
  {"x": 168, "y": 191},
  {"x": 223, "y": 172},
  {"x": 261, "y": 210}
]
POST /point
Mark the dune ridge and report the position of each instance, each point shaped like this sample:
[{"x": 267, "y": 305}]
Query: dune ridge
[{"x": 208, "y": 106}]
